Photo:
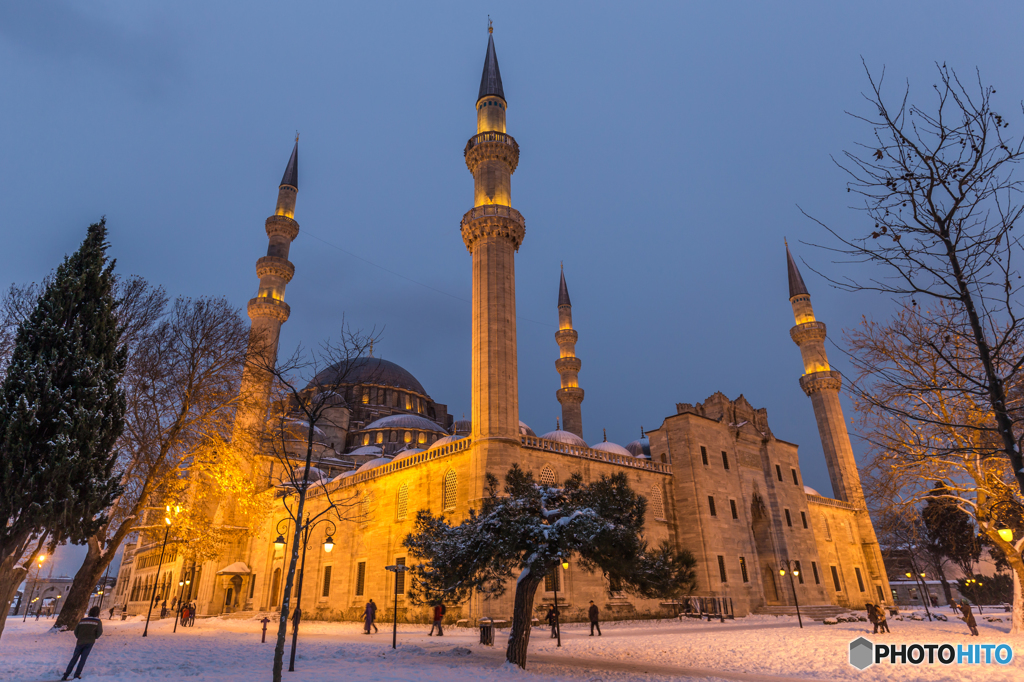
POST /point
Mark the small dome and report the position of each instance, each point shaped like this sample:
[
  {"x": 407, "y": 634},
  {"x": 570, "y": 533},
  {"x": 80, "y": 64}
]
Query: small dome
[
  {"x": 444, "y": 441},
  {"x": 565, "y": 437},
  {"x": 640, "y": 448},
  {"x": 344, "y": 475},
  {"x": 333, "y": 399},
  {"x": 367, "y": 450},
  {"x": 404, "y": 421},
  {"x": 373, "y": 464},
  {"x": 407, "y": 453},
  {"x": 808, "y": 490},
  {"x": 299, "y": 429},
  {"x": 612, "y": 449},
  {"x": 525, "y": 430},
  {"x": 315, "y": 476},
  {"x": 463, "y": 427}
]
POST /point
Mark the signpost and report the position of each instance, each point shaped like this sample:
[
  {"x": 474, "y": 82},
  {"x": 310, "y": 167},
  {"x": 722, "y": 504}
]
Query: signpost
[{"x": 396, "y": 569}]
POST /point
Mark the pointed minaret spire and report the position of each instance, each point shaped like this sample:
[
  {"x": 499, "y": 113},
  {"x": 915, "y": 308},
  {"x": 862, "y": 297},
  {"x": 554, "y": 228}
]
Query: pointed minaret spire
[
  {"x": 570, "y": 395},
  {"x": 490, "y": 81},
  {"x": 796, "y": 282},
  {"x": 291, "y": 171},
  {"x": 563, "y": 292}
]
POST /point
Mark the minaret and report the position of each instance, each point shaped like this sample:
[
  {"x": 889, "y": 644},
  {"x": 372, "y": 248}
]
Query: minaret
[
  {"x": 493, "y": 231},
  {"x": 570, "y": 395},
  {"x": 268, "y": 310}
]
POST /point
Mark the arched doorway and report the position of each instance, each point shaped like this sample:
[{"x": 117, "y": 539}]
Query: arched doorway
[{"x": 275, "y": 588}]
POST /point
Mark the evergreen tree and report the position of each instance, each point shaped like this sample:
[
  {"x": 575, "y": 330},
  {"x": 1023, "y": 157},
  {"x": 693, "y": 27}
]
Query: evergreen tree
[
  {"x": 530, "y": 528},
  {"x": 61, "y": 410},
  {"x": 949, "y": 531}
]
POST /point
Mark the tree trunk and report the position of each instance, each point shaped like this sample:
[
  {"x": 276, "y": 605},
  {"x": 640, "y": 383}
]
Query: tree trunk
[
  {"x": 9, "y": 581},
  {"x": 945, "y": 588},
  {"x": 89, "y": 574},
  {"x": 522, "y": 614},
  {"x": 1017, "y": 569}
]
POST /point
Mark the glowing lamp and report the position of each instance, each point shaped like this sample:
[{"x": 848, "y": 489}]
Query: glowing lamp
[
  {"x": 279, "y": 542},
  {"x": 59, "y": 596},
  {"x": 1006, "y": 534},
  {"x": 910, "y": 575},
  {"x": 796, "y": 572},
  {"x": 782, "y": 571},
  {"x": 922, "y": 575},
  {"x": 328, "y": 544},
  {"x": 188, "y": 582},
  {"x": 167, "y": 520},
  {"x": 565, "y": 564},
  {"x": 181, "y": 583}
]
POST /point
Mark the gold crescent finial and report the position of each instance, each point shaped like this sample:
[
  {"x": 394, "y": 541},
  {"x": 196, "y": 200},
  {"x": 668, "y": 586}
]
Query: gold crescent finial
[
  {"x": 296, "y": 135},
  {"x": 490, "y": 24}
]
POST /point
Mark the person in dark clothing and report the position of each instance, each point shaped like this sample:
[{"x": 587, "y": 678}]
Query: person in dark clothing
[
  {"x": 593, "y": 619},
  {"x": 88, "y": 630},
  {"x": 952, "y": 606},
  {"x": 191, "y": 614},
  {"x": 553, "y": 621},
  {"x": 368, "y": 617},
  {"x": 111, "y": 613},
  {"x": 969, "y": 618},
  {"x": 438, "y": 620},
  {"x": 163, "y": 609}
]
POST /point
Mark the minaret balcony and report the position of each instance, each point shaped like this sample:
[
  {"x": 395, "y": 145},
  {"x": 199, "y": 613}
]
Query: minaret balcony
[
  {"x": 573, "y": 394},
  {"x": 282, "y": 225},
  {"x": 491, "y": 145},
  {"x": 829, "y": 380},
  {"x": 493, "y": 220},
  {"x": 265, "y": 306},
  {"x": 566, "y": 336},
  {"x": 274, "y": 266},
  {"x": 563, "y": 365},
  {"x": 808, "y": 331}
]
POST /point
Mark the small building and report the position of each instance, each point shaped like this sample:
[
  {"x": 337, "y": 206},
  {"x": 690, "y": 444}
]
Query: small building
[{"x": 908, "y": 592}]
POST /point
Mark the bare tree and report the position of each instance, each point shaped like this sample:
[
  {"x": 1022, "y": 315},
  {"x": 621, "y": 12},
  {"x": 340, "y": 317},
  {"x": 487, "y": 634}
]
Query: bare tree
[
  {"x": 293, "y": 440},
  {"x": 934, "y": 426},
  {"x": 182, "y": 389},
  {"x": 941, "y": 203}
]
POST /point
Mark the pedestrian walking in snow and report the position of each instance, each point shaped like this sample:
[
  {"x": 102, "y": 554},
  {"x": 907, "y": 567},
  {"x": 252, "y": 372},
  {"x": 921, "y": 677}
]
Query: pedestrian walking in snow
[
  {"x": 553, "y": 621},
  {"x": 952, "y": 606},
  {"x": 86, "y": 632},
  {"x": 593, "y": 619},
  {"x": 111, "y": 613},
  {"x": 163, "y": 609},
  {"x": 368, "y": 617},
  {"x": 439, "y": 612},
  {"x": 969, "y": 618}
]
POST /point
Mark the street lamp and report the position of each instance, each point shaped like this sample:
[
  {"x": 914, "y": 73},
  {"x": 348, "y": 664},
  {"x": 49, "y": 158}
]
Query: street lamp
[
  {"x": 304, "y": 532},
  {"x": 558, "y": 614},
  {"x": 1006, "y": 534},
  {"x": 397, "y": 568},
  {"x": 160, "y": 565},
  {"x": 39, "y": 565},
  {"x": 793, "y": 572},
  {"x": 919, "y": 578}
]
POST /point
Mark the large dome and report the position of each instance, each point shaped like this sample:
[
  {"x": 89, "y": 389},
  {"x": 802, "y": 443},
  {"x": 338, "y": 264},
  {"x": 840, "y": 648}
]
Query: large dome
[
  {"x": 376, "y": 371},
  {"x": 404, "y": 421}
]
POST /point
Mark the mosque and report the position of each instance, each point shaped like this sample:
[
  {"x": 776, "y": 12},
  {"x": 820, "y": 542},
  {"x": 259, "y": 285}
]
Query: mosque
[{"x": 717, "y": 479}]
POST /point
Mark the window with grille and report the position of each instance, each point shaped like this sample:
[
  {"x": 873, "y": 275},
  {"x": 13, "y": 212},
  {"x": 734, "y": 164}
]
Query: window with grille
[
  {"x": 326, "y": 592},
  {"x": 360, "y": 578},
  {"x": 547, "y": 475},
  {"x": 835, "y": 579},
  {"x": 799, "y": 572},
  {"x": 725, "y": 459},
  {"x": 657, "y": 502},
  {"x": 448, "y": 491},
  {"x": 789, "y": 519},
  {"x": 711, "y": 505},
  {"x": 860, "y": 578},
  {"x": 814, "y": 569},
  {"x": 795, "y": 481},
  {"x": 721, "y": 568},
  {"x": 704, "y": 455},
  {"x": 732, "y": 507},
  {"x": 803, "y": 518},
  {"x": 778, "y": 472},
  {"x": 828, "y": 531},
  {"x": 402, "y": 505},
  {"x": 400, "y": 576},
  {"x": 743, "y": 570},
  {"x": 552, "y": 582}
]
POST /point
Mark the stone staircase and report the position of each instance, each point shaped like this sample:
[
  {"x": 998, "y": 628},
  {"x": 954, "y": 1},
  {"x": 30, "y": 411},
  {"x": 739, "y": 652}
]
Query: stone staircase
[{"x": 811, "y": 612}]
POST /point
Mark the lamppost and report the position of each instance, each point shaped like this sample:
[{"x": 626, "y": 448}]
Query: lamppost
[
  {"x": 974, "y": 585},
  {"x": 39, "y": 566},
  {"x": 396, "y": 569},
  {"x": 792, "y": 583},
  {"x": 919, "y": 579},
  {"x": 181, "y": 593},
  {"x": 558, "y": 614},
  {"x": 160, "y": 565},
  {"x": 305, "y": 530},
  {"x": 103, "y": 587}
]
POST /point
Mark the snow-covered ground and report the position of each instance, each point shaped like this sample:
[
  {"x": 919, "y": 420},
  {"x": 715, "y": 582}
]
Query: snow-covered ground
[{"x": 753, "y": 648}]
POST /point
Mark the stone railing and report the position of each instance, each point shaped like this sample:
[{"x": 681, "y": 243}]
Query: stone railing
[
  {"x": 491, "y": 136},
  {"x": 496, "y": 210},
  {"x": 829, "y": 502},
  {"x": 384, "y": 469},
  {"x": 535, "y": 443}
]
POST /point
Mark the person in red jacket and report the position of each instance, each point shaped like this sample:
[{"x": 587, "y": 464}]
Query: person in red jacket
[
  {"x": 88, "y": 630},
  {"x": 439, "y": 611}
]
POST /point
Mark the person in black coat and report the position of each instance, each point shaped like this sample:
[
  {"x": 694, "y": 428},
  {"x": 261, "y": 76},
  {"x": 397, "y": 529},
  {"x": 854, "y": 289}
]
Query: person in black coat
[
  {"x": 88, "y": 630},
  {"x": 553, "y": 621},
  {"x": 593, "y": 613},
  {"x": 369, "y": 615},
  {"x": 969, "y": 618}
]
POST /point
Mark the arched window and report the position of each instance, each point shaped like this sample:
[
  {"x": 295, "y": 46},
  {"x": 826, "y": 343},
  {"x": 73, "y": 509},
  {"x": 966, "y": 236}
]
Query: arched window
[
  {"x": 657, "y": 503},
  {"x": 366, "y": 439},
  {"x": 828, "y": 531},
  {"x": 448, "y": 491},
  {"x": 547, "y": 475},
  {"x": 408, "y": 437},
  {"x": 402, "y": 504},
  {"x": 422, "y": 437},
  {"x": 380, "y": 437}
]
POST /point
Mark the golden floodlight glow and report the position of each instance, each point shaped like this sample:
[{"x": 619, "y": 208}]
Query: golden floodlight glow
[
  {"x": 1006, "y": 534},
  {"x": 328, "y": 544}
]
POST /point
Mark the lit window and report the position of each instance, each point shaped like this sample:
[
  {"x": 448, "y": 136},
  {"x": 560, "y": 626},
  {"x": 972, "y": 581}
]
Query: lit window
[
  {"x": 422, "y": 438},
  {"x": 380, "y": 437},
  {"x": 366, "y": 439},
  {"x": 448, "y": 491},
  {"x": 403, "y": 502},
  {"x": 657, "y": 502},
  {"x": 407, "y": 437},
  {"x": 743, "y": 569},
  {"x": 547, "y": 475}
]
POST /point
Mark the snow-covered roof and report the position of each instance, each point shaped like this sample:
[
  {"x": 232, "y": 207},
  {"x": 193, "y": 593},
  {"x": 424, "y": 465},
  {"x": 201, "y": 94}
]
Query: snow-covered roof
[
  {"x": 407, "y": 453},
  {"x": 560, "y": 436},
  {"x": 237, "y": 568}
]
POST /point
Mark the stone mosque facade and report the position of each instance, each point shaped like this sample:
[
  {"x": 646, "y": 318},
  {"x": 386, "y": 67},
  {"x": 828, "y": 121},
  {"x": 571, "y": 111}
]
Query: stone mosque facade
[{"x": 717, "y": 479}]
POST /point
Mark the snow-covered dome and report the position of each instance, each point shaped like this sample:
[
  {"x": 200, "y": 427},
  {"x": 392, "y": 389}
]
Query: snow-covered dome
[
  {"x": 315, "y": 476},
  {"x": 525, "y": 430},
  {"x": 408, "y": 453},
  {"x": 404, "y": 421},
  {"x": 444, "y": 441},
  {"x": 808, "y": 490},
  {"x": 560, "y": 436},
  {"x": 640, "y": 448},
  {"x": 373, "y": 464},
  {"x": 367, "y": 450},
  {"x": 344, "y": 475},
  {"x": 612, "y": 449},
  {"x": 299, "y": 429}
]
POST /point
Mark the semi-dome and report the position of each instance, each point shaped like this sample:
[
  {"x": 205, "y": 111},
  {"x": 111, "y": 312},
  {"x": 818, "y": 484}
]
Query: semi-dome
[
  {"x": 525, "y": 430},
  {"x": 640, "y": 448},
  {"x": 612, "y": 449},
  {"x": 367, "y": 450},
  {"x": 444, "y": 441},
  {"x": 404, "y": 421},
  {"x": 560, "y": 436},
  {"x": 374, "y": 371},
  {"x": 373, "y": 464}
]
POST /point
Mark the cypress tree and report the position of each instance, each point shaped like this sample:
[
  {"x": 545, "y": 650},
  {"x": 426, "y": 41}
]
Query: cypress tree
[{"x": 61, "y": 410}]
